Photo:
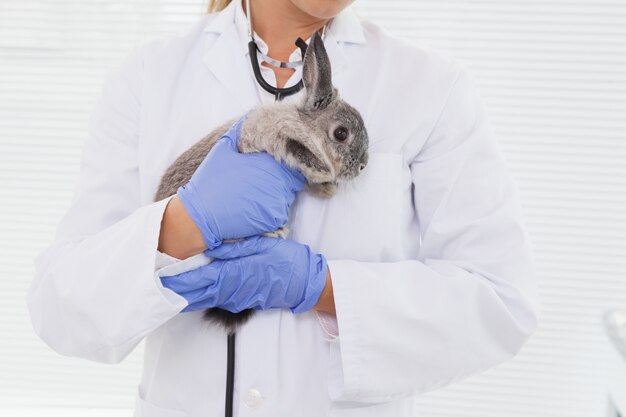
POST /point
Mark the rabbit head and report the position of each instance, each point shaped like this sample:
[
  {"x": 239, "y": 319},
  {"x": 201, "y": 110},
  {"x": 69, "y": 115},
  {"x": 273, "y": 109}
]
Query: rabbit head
[{"x": 334, "y": 145}]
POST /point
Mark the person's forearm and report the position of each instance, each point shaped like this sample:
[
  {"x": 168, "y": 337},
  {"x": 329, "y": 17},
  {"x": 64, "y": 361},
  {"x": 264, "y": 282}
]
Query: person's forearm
[
  {"x": 179, "y": 236},
  {"x": 326, "y": 303}
]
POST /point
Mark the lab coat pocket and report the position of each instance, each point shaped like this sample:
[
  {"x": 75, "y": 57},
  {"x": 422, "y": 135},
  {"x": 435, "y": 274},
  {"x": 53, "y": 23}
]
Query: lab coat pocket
[
  {"x": 144, "y": 408},
  {"x": 382, "y": 168},
  {"x": 362, "y": 221}
]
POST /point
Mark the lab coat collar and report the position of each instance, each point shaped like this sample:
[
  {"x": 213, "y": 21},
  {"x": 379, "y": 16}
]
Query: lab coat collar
[
  {"x": 230, "y": 69},
  {"x": 346, "y": 27},
  {"x": 233, "y": 69}
]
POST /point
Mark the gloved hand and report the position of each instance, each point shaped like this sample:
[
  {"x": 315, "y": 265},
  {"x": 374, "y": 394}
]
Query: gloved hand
[
  {"x": 259, "y": 272},
  {"x": 235, "y": 195}
]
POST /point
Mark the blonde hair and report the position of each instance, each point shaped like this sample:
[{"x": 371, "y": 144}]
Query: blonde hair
[{"x": 217, "y": 5}]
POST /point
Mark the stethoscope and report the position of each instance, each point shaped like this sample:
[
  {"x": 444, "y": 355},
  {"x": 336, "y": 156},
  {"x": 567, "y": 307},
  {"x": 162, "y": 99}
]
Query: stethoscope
[
  {"x": 255, "y": 53},
  {"x": 279, "y": 94}
]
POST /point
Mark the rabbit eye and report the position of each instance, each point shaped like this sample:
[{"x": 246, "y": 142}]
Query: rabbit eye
[{"x": 341, "y": 134}]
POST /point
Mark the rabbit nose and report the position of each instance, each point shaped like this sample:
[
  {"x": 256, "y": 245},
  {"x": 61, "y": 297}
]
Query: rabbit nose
[{"x": 364, "y": 159}]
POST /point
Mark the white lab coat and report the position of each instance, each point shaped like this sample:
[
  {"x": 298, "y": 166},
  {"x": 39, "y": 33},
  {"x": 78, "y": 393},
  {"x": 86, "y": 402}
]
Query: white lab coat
[{"x": 430, "y": 260}]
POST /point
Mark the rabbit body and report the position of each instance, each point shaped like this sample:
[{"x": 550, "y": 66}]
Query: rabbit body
[
  {"x": 322, "y": 136},
  {"x": 275, "y": 128}
]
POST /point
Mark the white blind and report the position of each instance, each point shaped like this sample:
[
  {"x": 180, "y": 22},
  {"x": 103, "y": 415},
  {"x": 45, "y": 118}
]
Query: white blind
[{"x": 553, "y": 76}]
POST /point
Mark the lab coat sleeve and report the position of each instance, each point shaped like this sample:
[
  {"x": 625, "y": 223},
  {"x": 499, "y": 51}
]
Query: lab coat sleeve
[
  {"x": 468, "y": 300},
  {"x": 95, "y": 294}
]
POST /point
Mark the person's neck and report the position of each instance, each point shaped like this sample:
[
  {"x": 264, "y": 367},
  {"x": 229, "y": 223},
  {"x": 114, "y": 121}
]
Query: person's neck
[{"x": 279, "y": 23}]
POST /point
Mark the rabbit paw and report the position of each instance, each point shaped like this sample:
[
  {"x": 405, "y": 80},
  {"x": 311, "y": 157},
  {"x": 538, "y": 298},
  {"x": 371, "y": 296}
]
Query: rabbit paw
[
  {"x": 324, "y": 189},
  {"x": 281, "y": 232}
]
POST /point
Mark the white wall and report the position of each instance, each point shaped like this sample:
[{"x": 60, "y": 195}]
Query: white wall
[{"x": 553, "y": 76}]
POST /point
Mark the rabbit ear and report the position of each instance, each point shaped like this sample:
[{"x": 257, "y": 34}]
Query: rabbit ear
[
  {"x": 307, "y": 158},
  {"x": 316, "y": 75}
]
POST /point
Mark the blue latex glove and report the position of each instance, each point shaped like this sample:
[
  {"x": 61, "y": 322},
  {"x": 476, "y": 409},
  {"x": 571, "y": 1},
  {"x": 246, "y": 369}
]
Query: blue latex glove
[
  {"x": 259, "y": 272},
  {"x": 235, "y": 195}
]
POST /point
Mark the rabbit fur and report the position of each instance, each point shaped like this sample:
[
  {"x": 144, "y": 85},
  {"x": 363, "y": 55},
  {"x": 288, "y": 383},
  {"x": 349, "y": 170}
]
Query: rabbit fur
[{"x": 322, "y": 136}]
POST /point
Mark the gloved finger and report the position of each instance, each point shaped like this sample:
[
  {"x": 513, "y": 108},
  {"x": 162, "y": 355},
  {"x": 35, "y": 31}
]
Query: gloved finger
[
  {"x": 207, "y": 296},
  {"x": 228, "y": 297},
  {"x": 234, "y": 132},
  {"x": 241, "y": 299},
  {"x": 193, "y": 279},
  {"x": 277, "y": 167},
  {"x": 245, "y": 247},
  {"x": 200, "y": 305},
  {"x": 297, "y": 178},
  {"x": 226, "y": 143},
  {"x": 190, "y": 307},
  {"x": 229, "y": 141}
]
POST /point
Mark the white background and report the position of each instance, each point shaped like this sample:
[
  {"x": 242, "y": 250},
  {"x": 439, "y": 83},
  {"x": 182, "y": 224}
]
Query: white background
[{"x": 553, "y": 76}]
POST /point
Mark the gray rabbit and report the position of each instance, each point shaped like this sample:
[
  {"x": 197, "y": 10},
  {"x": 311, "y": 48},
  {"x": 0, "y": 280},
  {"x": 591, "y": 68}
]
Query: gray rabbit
[{"x": 322, "y": 136}]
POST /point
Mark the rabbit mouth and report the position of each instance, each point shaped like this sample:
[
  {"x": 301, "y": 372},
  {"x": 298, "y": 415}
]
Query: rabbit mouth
[
  {"x": 351, "y": 172},
  {"x": 354, "y": 168}
]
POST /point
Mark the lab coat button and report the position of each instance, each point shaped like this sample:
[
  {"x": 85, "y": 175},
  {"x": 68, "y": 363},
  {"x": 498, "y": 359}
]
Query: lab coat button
[{"x": 253, "y": 398}]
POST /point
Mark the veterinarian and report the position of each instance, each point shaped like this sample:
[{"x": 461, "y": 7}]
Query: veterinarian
[{"x": 416, "y": 274}]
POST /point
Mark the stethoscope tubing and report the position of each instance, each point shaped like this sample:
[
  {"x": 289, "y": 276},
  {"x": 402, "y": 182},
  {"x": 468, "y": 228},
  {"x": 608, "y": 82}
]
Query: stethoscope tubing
[
  {"x": 253, "y": 51},
  {"x": 279, "y": 94}
]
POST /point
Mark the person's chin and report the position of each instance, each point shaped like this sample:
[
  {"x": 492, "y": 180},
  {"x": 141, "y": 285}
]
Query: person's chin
[{"x": 322, "y": 9}]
